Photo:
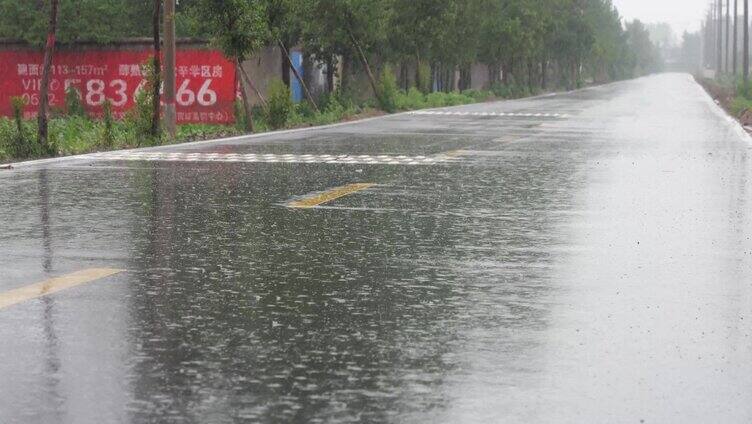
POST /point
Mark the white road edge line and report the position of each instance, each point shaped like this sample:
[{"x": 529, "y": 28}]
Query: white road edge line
[{"x": 736, "y": 125}]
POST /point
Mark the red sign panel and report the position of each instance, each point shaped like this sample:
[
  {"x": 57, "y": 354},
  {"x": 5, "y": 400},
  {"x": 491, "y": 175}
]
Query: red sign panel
[{"x": 205, "y": 87}]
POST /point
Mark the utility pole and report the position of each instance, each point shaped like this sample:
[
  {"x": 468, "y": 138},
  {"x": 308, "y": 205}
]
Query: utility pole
[
  {"x": 735, "y": 49},
  {"x": 49, "y": 50},
  {"x": 169, "y": 68},
  {"x": 155, "y": 117},
  {"x": 719, "y": 15},
  {"x": 728, "y": 33},
  {"x": 745, "y": 52}
]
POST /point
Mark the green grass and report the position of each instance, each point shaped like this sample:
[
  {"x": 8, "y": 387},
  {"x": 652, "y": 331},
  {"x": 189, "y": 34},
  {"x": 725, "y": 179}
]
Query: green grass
[
  {"x": 76, "y": 135},
  {"x": 734, "y": 95},
  {"x": 739, "y": 105}
]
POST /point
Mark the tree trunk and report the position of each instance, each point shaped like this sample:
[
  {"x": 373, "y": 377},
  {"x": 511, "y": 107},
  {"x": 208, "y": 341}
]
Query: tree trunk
[
  {"x": 544, "y": 74},
  {"x": 530, "y": 78},
  {"x": 364, "y": 61},
  {"x": 345, "y": 74},
  {"x": 157, "y": 70},
  {"x": 404, "y": 80},
  {"x": 244, "y": 94},
  {"x": 44, "y": 88},
  {"x": 308, "y": 95},
  {"x": 330, "y": 71},
  {"x": 286, "y": 64},
  {"x": 572, "y": 76},
  {"x": 436, "y": 77},
  {"x": 466, "y": 77}
]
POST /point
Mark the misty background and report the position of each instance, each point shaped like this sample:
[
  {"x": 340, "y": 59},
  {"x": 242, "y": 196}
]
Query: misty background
[{"x": 682, "y": 30}]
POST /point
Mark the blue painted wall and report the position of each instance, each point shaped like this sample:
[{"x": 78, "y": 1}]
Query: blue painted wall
[{"x": 295, "y": 87}]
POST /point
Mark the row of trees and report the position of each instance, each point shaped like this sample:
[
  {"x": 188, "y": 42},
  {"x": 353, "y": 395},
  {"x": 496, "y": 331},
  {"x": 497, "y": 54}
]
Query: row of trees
[
  {"x": 532, "y": 43},
  {"x": 726, "y": 37}
]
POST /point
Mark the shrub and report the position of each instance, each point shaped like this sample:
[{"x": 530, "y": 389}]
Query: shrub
[
  {"x": 281, "y": 106},
  {"x": 387, "y": 90},
  {"x": 501, "y": 90},
  {"x": 140, "y": 116},
  {"x": 478, "y": 96},
  {"x": 510, "y": 91},
  {"x": 21, "y": 144},
  {"x": 413, "y": 99},
  {"x": 454, "y": 99},
  {"x": 73, "y": 104},
  {"x": 740, "y": 104},
  {"x": 519, "y": 91},
  {"x": 239, "y": 112},
  {"x": 742, "y": 89},
  {"x": 423, "y": 77},
  {"x": 435, "y": 99},
  {"x": 304, "y": 109}
]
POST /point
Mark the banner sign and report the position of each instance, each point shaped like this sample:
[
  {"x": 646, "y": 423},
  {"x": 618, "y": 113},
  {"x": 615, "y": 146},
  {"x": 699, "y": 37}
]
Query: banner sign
[{"x": 205, "y": 82}]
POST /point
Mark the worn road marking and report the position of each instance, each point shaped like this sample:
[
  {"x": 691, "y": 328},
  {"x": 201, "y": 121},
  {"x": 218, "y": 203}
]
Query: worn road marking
[
  {"x": 54, "y": 285},
  {"x": 328, "y": 196}
]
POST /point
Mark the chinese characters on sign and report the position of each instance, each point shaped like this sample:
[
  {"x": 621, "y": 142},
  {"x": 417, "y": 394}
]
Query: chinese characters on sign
[{"x": 205, "y": 82}]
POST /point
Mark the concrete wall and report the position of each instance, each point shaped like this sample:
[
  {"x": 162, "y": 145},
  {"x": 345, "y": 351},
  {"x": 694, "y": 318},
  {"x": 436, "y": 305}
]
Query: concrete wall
[
  {"x": 479, "y": 77},
  {"x": 263, "y": 69},
  {"x": 266, "y": 67}
]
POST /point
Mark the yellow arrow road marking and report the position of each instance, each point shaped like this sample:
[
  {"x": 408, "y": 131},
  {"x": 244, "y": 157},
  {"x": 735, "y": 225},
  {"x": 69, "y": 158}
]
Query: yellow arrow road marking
[
  {"x": 328, "y": 196},
  {"x": 54, "y": 285}
]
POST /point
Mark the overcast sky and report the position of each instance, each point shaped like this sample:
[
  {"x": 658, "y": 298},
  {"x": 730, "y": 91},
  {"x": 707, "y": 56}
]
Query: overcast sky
[{"x": 681, "y": 14}]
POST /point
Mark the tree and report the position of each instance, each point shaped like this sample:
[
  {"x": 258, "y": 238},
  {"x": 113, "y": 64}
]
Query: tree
[
  {"x": 645, "y": 53},
  {"x": 348, "y": 28},
  {"x": 281, "y": 17},
  {"x": 238, "y": 28},
  {"x": 284, "y": 31}
]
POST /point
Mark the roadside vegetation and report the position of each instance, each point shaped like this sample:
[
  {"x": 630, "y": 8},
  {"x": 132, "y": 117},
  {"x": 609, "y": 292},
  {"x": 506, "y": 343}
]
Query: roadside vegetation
[
  {"x": 74, "y": 132},
  {"x": 732, "y": 94},
  {"x": 378, "y": 55}
]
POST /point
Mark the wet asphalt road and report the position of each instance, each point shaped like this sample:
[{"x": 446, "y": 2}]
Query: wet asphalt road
[{"x": 594, "y": 266}]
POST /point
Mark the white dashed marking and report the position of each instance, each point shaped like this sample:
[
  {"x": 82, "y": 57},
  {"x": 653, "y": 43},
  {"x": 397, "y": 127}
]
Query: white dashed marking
[
  {"x": 273, "y": 158},
  {"x": 511, "y": 114}
]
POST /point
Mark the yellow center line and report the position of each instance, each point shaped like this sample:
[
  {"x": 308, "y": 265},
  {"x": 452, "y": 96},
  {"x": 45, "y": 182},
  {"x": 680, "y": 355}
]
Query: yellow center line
[
  {"x": 328, "y": 196},
  {"x": 54, "y": 285},
  {"x": 452, "y": 153}
]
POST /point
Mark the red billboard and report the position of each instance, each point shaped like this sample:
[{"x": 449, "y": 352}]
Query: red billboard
[{"x": 205, "y": 82}]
